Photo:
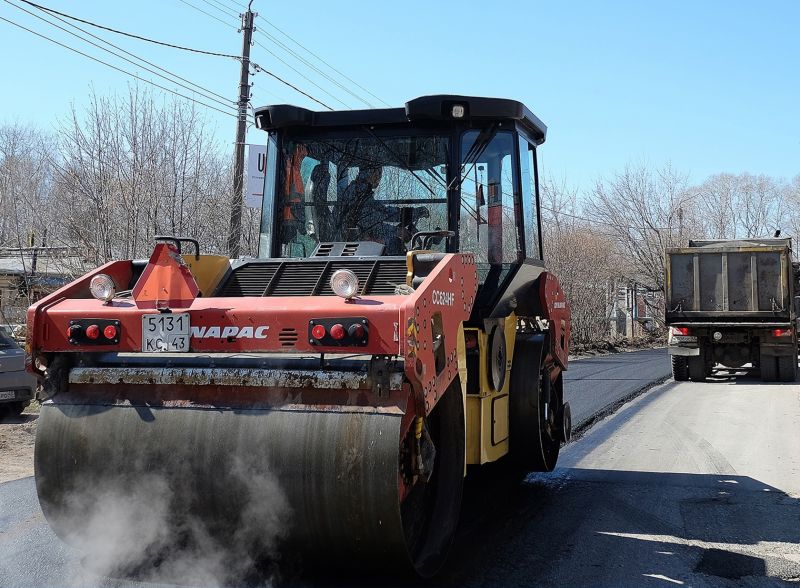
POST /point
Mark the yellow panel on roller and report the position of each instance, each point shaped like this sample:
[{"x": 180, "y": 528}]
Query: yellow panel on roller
[
  {"x": 473, "y": 428},
  {"x": 208, "y": 271},
  {"x": 499, "y": 419},
  {"x": 487, "y": 411}
]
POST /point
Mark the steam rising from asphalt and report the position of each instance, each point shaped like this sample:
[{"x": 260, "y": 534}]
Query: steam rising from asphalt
[{"x": 142, "y": 527}]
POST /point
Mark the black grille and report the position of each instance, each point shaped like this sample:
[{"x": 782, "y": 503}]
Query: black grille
[
  {"x": 287, "y": 337},
  {"x": 297, "y": 279},
  {"x": 377, "y": 276},
  {"x": 387, "y": 277},
  {"x": 250, "y": 279}
]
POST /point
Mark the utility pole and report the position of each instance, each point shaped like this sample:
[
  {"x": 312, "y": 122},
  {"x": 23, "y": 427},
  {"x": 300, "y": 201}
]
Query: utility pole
[{"x": 235, "y": 234}]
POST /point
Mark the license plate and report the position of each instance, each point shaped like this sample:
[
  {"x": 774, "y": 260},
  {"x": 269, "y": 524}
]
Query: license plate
[
  {"x": 165, "y": 332},
  {"x": 8, "y": 395}
]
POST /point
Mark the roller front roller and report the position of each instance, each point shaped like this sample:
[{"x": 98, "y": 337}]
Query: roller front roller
[{"x": 325, "y": 483}]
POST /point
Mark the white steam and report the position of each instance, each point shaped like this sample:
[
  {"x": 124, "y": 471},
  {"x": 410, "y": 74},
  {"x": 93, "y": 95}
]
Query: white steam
[{"x": 143, "y": 527}]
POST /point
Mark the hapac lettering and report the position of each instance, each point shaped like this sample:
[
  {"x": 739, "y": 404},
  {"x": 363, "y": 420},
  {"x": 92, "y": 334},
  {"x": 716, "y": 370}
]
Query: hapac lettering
[{"x": 230, "y": 331}]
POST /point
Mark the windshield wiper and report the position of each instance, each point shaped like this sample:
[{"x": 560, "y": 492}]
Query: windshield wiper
[
  {"x": 402, "y": 162},
  {"x": 476, "y": 150}
]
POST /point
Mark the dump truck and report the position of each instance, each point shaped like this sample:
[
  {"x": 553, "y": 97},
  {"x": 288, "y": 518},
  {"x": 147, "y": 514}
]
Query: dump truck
[
  {"x": 397, "y": 330},
  {"x": 732, "y": 303}
]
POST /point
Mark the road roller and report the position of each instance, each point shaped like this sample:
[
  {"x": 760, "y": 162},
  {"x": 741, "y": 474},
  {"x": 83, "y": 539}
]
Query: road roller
[{"x": 397, "y": 330}]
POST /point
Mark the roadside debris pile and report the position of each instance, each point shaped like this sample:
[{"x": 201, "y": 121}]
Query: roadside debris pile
[{"x": 604, "y": 346}]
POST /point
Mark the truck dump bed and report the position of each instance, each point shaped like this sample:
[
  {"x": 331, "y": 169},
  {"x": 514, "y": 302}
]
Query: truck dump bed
[{"x": 745, "y": 280}]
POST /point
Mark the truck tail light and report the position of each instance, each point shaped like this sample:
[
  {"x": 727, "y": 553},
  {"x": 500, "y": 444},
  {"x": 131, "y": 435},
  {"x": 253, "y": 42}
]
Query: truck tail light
[
  {"x": 781, "y": 332},
  {"x": 680, "y": 330}
]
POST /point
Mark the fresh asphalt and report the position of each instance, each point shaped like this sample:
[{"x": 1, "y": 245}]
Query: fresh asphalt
[
  {"x": 687, "y": 484},
  {"x": 592, "y": 384}
]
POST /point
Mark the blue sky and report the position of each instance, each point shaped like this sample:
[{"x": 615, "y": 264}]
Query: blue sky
[{"x": 708, "y": 86}]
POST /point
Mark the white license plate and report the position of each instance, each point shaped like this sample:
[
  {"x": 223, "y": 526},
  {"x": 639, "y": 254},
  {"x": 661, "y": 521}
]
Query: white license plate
[
  {"x": 165, "y": 332},
  {"x": 7, "y": 395}
]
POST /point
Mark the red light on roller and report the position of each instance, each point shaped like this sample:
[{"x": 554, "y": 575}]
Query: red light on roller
[
  {"x": 318, "y": 331},
  {"x": 338, "y": 332},
  {"x": 92, "y": 332},
  {"x": 74, "y": 331},
  {"x": 781, "y": 332},
  {"x": 357, "y": 331},
  {"x": 110, "y": 332}
]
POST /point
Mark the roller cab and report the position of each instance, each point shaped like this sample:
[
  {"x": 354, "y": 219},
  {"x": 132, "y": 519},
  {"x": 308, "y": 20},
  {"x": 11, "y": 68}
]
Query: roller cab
[{"x": 326, "y": 397}]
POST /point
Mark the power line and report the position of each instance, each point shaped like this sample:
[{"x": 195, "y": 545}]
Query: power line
[
  {"x": 227, "y": 24},
  {"x": 222, "y": 99},
  {"x": 223, "y": 102},
  {"x": 345, "y": 76},
  {"x": 258, "y": 68},
  {"x": 133, "y": 36},
  {"x": 592, "y": 220},
  {"x": 236, "y": 5},
  {"x": 261, "y": 69},
  {"x": 133, "y": 75},
  {"x": 301, "y": 74},
  {"x": 216, "y": 6},
  {"x": 302, "y": 59}
]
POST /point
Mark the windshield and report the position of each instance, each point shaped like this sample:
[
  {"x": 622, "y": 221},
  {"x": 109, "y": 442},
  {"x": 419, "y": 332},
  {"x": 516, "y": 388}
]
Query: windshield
[{"x": 360, "y": 189}]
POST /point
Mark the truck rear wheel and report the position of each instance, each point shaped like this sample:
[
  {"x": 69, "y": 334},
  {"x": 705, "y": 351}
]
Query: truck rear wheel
[
  {"x": 680, "y": 369},
  {"x": 697, "y": 368},
  {"x": 787, "y": 368}
]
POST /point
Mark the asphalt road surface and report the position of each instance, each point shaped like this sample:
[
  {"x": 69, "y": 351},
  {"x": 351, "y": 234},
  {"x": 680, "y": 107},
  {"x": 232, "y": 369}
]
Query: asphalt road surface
[
  {"x": 593, "y": 383},
  {"x": 688, "y": 484}
]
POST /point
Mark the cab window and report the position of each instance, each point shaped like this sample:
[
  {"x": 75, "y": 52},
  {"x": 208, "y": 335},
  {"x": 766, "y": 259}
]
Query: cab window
[
  {"x": 527, "y": 153},
  {"x": 489, "y": 213}
]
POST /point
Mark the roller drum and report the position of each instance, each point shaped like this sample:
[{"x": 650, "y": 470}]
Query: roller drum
[
  {"x": 321, "y": 483},
  {"x": 330, "y": 477}
]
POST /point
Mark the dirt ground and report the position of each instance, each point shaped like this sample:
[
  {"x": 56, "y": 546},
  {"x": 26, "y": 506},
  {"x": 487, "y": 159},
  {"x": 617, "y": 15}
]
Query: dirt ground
[{"x": 17, "y": 435}]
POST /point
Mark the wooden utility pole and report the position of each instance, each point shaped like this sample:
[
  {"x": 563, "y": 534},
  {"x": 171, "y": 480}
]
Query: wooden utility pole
[{"x": 235, "y": 234}]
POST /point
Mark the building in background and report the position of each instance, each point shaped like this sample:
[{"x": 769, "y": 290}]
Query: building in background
[
  {"x": 636, "y": 310},
  {"x": 29, "y": 273}
]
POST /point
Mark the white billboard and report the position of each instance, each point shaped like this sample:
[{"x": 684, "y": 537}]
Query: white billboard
[{"x": 256, "y": 168}]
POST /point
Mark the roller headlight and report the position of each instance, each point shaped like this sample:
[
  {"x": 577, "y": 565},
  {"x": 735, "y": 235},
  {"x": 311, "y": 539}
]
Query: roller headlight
[
  {"x": 344, "y": 283},
  {"x": 102, "y": 287}
]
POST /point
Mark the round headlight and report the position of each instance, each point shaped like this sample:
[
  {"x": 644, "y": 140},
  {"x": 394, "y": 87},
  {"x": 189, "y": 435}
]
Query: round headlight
[
  {"x": 102, "y": 287},
  {"x": 344, "y": 283}
]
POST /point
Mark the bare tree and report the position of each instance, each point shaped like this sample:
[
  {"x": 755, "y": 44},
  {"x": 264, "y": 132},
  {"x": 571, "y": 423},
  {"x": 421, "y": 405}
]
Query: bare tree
[
  {"x": 584, "y": 259},
  {"x": 645, "y": 211},
  {"x": 741, "y": 206},
  {"x": 133, "y": 168},
  {"x": 25, "y": 185}
]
